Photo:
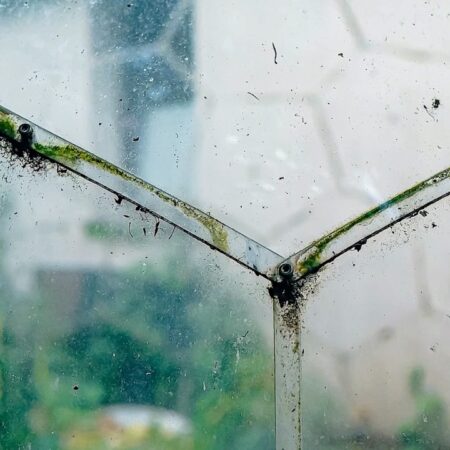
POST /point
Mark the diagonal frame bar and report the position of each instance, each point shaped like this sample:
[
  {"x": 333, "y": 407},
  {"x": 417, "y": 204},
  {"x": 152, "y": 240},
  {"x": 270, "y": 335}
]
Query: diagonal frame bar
[
  {"x": 355, "y": 233},
  {"x": 145, "y": 196}
]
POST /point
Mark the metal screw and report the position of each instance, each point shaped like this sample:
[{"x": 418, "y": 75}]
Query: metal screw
[
  {"x": 26, "y": 134},
  {"x": 286, "y": 270}
]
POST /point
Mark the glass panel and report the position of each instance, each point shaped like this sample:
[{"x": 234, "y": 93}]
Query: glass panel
[
  {"x": 375, "y": 335},
  {"x": 113, "y": 77},
  {"x": 281, "y": 120},
  {"x": 355, "y": 90},
  {"x": 118, "y": 331}
]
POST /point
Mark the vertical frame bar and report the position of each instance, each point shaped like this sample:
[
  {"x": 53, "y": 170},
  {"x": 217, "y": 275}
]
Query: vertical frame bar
[{"x": 288, "y": 353}]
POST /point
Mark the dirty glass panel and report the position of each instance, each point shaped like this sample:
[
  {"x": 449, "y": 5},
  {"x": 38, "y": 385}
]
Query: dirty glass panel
[
  {"x": 115, "y": 77},
  {"x": 283, "y": 120},
  {"x": 117, "y": 331},
  {"x": 375, "y": 355},
  {"x": 324, "y": 103}
]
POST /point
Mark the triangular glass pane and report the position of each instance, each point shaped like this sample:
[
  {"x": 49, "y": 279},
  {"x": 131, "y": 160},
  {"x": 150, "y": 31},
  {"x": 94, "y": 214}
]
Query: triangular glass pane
[
  {"x": 119, "y": 331},
  {"x": 375, "y": 333}
]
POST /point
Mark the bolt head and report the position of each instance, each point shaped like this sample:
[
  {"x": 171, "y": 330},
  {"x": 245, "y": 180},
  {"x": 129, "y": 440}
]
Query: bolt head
[
  {"x": 25, "y": 128},
  {"x": 286, "y": 270}
]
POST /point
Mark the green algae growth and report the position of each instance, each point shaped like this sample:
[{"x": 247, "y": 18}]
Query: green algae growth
[
  {"x": 73, "y": 156},
  {"x": 7, "y": 126},
  {"x": 313, "y": 260}
]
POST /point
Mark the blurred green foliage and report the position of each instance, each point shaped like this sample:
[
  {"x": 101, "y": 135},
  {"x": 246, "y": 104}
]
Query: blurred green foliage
[
  {"x": 427, "y": 430},
  {"x": 137, "y": 338},
  {"x": 327, "y": 425}
]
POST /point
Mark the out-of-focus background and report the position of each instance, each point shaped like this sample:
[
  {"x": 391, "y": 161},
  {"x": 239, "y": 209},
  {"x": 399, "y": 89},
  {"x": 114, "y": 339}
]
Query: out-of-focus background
[{"x": 283, "y": 119}]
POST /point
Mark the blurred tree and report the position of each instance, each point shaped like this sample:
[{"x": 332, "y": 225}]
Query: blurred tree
[
  {"x": 427, "y": 430},
  {"x": 137, "y": 338}
]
